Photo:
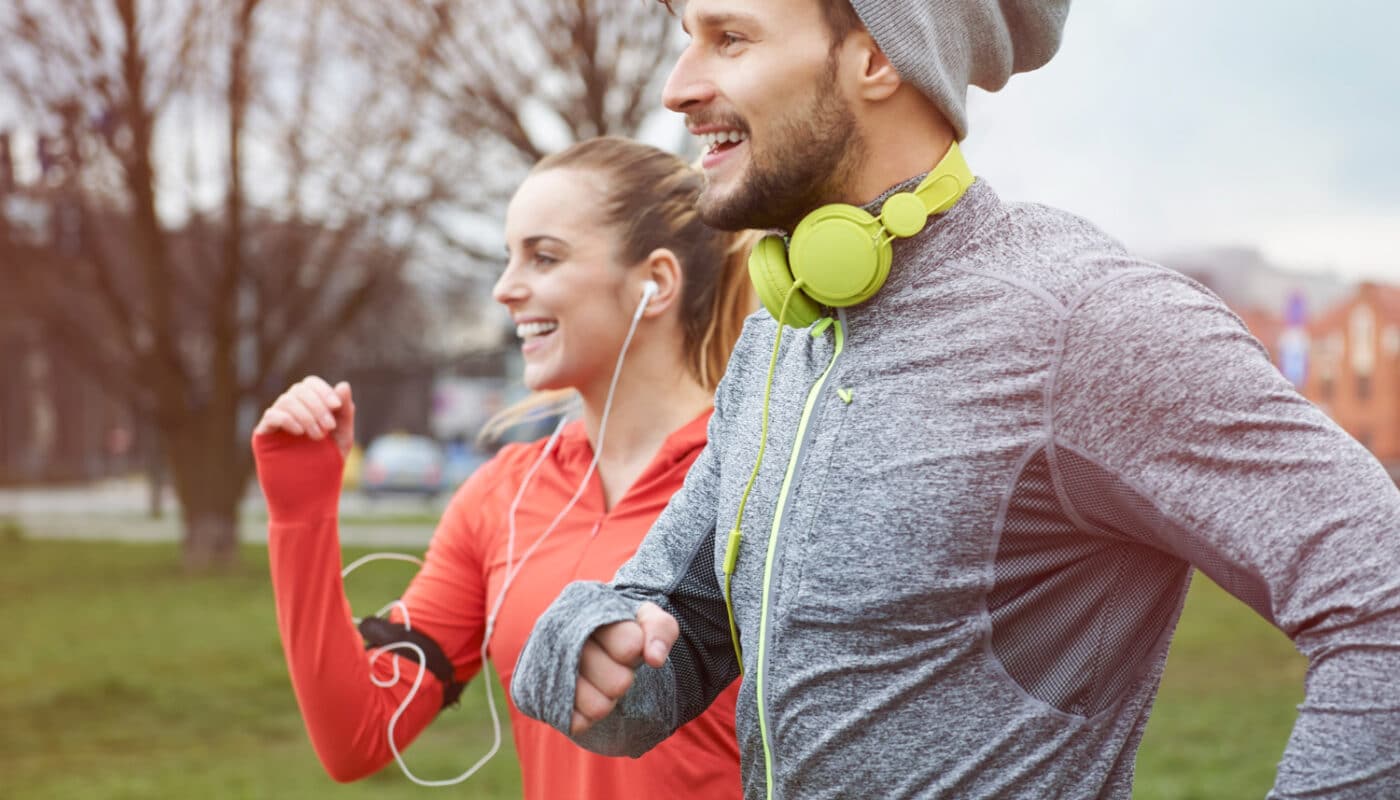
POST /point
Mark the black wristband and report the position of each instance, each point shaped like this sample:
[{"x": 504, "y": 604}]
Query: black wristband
[{"x": 379, "y": 632}]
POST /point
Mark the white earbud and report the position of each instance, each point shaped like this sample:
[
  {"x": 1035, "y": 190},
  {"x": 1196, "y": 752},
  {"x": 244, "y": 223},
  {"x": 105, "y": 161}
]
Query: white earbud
[{"x": 649, "y": 290}]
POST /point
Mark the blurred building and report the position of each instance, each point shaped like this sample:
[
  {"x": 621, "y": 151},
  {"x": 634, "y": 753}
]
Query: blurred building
[
  {"x": 1355, "y": 367},
  {"x": 1338, "y": 343},
  {"x": 1347, "y": 361}
]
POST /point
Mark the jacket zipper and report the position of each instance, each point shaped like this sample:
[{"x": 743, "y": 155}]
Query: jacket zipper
[{"x": 778, "y": 514}]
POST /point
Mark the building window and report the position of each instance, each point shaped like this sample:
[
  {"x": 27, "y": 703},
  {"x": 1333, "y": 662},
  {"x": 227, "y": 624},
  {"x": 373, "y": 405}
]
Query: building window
[
  {"x": 1325, "y": 389},
  {"x": 1363, "y": 387},
  {"x": 1363, "y": 339}
]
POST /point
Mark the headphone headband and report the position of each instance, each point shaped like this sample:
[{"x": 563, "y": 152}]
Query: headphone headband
[{"x": 842, "y": 254}]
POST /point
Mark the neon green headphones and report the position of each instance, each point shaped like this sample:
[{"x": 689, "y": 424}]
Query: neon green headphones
[
  {"x": 840, "y": 256},
  {"x": 841, "y": 253}
]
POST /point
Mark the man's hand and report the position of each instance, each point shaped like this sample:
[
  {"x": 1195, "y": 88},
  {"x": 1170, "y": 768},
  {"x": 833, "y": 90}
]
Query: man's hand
[
  {"x": 610, "y": 659},
  {"x": 312, "y": 408}
]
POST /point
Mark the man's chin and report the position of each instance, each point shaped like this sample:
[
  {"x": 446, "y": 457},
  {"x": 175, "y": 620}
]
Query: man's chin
[
  {"x": 727, "y": 208},
  {"x": 719, "y": 212}
]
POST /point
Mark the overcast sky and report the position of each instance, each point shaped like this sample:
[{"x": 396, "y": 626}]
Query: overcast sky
[
  {"x": 1176, "y": 125},
  {"x": 1181, "y": 124}
]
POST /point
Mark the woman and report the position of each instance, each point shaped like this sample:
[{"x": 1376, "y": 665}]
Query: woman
[{"x": 622, "y": 298}]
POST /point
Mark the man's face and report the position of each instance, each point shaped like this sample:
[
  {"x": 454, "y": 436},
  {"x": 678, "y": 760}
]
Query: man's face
[{"x": 759, "y": 86}]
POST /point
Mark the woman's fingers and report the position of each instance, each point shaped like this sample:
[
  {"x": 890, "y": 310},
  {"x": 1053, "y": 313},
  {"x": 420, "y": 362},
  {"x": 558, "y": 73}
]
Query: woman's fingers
[
  {"x": 323, "y": 390},
  {"x": 310, "y": 407},
  {"x": 275, "y": 419}
]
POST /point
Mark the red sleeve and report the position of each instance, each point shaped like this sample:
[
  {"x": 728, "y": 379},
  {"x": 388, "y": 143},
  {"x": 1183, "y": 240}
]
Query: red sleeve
[{"x": 346, "y": 715}]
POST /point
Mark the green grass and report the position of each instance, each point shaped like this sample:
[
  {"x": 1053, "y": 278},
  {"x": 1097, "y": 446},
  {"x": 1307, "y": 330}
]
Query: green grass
[
  {"x": 126, "y": 679},
  {"x": 427, "y": 519},
  {"x": 1226, "y": 707}
]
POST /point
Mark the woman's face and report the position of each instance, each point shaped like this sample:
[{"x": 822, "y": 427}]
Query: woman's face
[{"x": 570, "y": 300}]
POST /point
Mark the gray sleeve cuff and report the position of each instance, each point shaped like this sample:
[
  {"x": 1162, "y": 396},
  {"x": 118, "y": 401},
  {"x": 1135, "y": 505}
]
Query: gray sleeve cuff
[
  {"x": 1343, "y": 745},
  {"x": 543, "y": 683}
]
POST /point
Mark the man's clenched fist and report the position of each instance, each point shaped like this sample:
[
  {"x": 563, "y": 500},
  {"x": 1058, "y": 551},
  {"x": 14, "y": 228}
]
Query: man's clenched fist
[{"x": 610, "y": 659}]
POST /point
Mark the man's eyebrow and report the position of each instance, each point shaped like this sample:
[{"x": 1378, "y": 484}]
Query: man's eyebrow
[{"x": 720, "y": 19}]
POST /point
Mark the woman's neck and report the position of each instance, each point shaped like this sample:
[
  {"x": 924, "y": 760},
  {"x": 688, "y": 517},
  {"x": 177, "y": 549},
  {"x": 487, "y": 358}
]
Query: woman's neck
[{"x": 654, "y": 397}]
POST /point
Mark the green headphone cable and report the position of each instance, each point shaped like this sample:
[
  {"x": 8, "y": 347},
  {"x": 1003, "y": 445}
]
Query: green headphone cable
[{"x": 731, "y": 549}]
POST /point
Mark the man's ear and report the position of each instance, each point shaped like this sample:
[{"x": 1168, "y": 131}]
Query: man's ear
[{"x": 877, "y": 79}]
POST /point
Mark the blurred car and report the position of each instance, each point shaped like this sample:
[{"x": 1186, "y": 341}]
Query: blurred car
[{"x": 401, "y": 463}]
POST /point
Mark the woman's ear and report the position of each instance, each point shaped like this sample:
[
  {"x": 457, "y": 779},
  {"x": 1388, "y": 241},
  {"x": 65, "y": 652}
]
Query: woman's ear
[{"x": 662, "y": 268}]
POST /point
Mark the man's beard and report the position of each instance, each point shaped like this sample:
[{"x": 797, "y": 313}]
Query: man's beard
[{"x": 812, "y": 158}]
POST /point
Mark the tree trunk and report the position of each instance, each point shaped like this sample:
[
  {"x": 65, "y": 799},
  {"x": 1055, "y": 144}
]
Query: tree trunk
[
  {"x": 210, "y": 540},
  {"x": 155, "y": 471},
  {"x": 209, "y": 466}
]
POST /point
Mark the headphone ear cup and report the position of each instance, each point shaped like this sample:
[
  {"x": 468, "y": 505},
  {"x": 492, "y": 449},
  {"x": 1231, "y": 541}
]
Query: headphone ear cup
[
  {"x": 772, "y": 280},
  {"x": 840, "y": 254}
]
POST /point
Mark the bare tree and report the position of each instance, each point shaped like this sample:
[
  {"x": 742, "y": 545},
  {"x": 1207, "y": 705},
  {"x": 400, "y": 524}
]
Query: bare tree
[
  {"x": 511, "y": 82},
  {"x": 234, "y": 182},
  {"x": 230, "y": 188}
]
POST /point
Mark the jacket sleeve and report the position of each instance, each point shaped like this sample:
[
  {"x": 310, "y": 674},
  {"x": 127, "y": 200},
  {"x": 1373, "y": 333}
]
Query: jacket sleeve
[
  {"x": 1170, "y": 416},
  {"x": 674, "y": 568},
  {"x": 346, "y": 715}
]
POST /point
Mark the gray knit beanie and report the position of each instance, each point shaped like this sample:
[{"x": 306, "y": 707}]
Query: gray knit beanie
[{"x": 943, "y": 46}]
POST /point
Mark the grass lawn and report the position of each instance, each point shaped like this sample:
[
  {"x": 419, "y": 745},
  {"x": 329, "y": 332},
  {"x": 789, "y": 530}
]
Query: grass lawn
[{"x": 125, "y": 679}]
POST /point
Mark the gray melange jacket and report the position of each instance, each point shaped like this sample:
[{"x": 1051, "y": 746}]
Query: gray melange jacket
[{"x": 978, "y": 561}]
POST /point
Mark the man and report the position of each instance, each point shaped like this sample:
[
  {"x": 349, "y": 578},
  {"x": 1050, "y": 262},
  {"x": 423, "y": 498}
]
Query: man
[{"x": 983, "y": 488}]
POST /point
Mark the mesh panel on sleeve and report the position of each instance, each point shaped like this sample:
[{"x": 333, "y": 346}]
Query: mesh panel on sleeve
[
  {"x": 1076, "y": 615},
  {"x": 1103, "y": 499},
  {"x": 703, "y": 657}
]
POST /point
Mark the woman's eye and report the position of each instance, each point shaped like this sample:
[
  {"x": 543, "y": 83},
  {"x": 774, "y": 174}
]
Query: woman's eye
[
  {"x": 545, "y": 259},
  {"x": 728, "y": 40}
]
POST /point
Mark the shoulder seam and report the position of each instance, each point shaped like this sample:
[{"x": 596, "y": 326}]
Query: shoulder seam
[
  {"x": 1039, "y": 292},
  {"x": 1107, "y": 280}
]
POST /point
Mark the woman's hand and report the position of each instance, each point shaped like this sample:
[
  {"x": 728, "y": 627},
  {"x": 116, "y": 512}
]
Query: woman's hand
[{"x": 312, "y": 408}]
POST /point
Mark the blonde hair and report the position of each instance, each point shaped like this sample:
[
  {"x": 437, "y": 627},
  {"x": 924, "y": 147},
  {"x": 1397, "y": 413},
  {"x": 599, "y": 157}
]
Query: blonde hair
[{"x": 650, "y": 204}]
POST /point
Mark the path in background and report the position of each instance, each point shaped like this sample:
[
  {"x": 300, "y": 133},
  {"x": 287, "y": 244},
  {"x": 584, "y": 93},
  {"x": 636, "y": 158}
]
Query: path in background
[{"x": 117, "y": 510}]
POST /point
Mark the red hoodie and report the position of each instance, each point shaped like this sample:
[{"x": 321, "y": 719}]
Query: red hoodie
[{"x": 347, "y": 716}]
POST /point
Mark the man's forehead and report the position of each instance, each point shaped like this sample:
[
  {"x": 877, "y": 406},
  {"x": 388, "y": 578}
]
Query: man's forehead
[{"x": 697, "y": 14}]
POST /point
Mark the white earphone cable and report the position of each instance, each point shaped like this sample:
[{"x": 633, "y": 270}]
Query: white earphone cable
[{"x": 512, "y": 570}]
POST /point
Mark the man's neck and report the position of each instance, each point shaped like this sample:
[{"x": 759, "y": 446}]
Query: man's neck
[
  {"x": 904, "y": 137},
  {"x": 894, "y": 164}
]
